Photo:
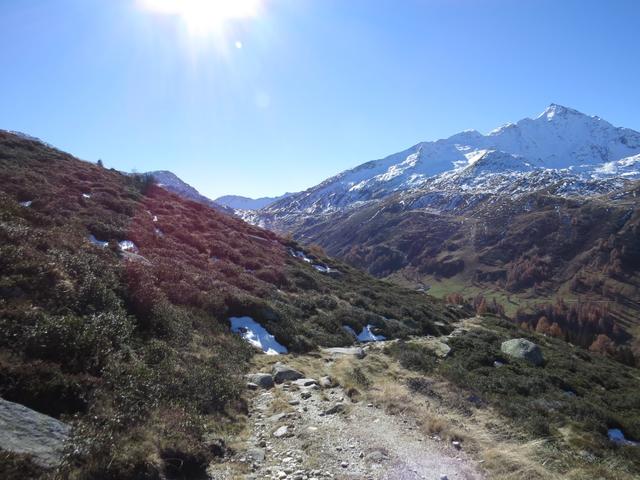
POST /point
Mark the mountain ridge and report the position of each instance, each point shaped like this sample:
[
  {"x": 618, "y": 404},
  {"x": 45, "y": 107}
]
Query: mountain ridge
[
  {"x": 560, "y": 138},
  {"x": 239, "y": 202}
]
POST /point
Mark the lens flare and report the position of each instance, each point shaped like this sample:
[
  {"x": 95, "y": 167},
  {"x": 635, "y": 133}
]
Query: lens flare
[{"x": 205, "y": 16}]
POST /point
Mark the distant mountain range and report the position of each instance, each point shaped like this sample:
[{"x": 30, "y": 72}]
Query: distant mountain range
[
  {"x": 238, "y": 202},
  {"x": 586, "y": 153}
]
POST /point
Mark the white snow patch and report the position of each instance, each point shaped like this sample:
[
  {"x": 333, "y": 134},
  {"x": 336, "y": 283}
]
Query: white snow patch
[
  {"x": 97, "y": 242},
  {"x": 300, "y": 254},
  {"x": 86, "y": 195},
  {"x": 27, "y": 203},
  {"x": 616, "y": 436},
  {"x": 256, "y": 335},
  {"x": 324, "y": 268},
  {"x": 127, "y": 246},
  {"x": 155, "y": 218},
  {"x": 366, "y": 335}
]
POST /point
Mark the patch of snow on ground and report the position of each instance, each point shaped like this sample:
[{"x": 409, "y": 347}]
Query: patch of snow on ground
[
  {"x": 97, "y": 242},
  {"x": 322, "y": 268},
  {"x": 256, "y": 335},
  {"x": 127, "y": 246},
  {"x": 616, "y": 436},
  {"x": 299, "y": 254},
  {"x": 155, "y": 218},
  {"x": 27, "y": 203},
  {"x": 86, "y": 195},
  {"x": 367, "y": 335}
]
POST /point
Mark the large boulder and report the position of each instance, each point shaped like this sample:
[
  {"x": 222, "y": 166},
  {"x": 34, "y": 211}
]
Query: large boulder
[
  {"x": 523, "y": 349},
  {"x": 283, "y": 373},
  {"x": 263, "y": 380},
  {"x": 26, "y": 431}
]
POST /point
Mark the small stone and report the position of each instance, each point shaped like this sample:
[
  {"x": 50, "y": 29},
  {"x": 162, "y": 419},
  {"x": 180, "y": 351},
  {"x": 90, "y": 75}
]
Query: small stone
[
  {"x": 344, "y": 464},
  {"x": 326, "y": 382},
  {"x": 444, "y": 477},
  {"x": 337, "y": 408},
  {"x": 456, "y": 445},
  {"x": 281, "y": 432}
]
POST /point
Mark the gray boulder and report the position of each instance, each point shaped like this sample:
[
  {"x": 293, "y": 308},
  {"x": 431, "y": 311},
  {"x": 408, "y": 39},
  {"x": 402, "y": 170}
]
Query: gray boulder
[
  {"x": 282, "y": 373},
  {"x": 263, "y": 380},
  {"x": 523, "y": 349},
  {"x": 26, "y": 431}
]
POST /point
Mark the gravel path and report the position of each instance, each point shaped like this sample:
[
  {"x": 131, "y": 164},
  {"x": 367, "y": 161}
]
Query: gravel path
[{"x": 324, "y": 435}]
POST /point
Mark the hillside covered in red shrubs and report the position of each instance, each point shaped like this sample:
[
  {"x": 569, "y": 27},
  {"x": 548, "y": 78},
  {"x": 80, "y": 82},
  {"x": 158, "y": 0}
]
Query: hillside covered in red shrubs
[{"x": 115, "y": 297}]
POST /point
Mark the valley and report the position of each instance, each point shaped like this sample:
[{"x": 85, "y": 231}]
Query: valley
[{"x": 535, "y": 213}]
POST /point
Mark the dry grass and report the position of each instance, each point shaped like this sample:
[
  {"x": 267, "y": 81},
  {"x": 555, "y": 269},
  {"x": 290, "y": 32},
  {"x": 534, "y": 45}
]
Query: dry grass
[{"x": 440, "y": 412}]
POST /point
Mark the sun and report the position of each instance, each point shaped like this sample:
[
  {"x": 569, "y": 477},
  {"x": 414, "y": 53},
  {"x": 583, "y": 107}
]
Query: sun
[{"x": 205, "y": 16}]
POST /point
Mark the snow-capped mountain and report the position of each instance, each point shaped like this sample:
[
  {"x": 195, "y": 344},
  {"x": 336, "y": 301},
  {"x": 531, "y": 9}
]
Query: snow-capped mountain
[
  {"x": 238, "y": 202},
  {"x": 559, "y": 144}
]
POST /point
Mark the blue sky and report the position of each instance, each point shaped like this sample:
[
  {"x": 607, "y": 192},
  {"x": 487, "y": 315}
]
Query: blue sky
[{"x": 317, "y": 87}]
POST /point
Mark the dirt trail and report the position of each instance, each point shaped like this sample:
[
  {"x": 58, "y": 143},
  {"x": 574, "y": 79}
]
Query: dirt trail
[{"x": 308, "y": 432}]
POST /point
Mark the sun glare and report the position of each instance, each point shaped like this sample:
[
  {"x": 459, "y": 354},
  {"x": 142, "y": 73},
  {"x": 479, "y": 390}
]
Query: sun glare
[{"x": 205, "y": 16}]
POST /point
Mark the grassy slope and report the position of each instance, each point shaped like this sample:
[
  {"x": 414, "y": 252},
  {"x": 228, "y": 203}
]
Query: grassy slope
[
  {"x": 535, "y": 401},
  {"x": 136, "y": 349}
]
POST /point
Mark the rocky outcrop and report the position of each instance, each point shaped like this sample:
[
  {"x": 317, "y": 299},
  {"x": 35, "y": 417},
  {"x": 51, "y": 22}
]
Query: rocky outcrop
[
  {"x": 523, "y": 349},
  {"x": 26, "y": 431}
]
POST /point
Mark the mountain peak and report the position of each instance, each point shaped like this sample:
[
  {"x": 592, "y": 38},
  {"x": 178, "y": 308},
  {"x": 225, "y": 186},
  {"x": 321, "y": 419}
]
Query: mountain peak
[{"x": 555, "y": 110}]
